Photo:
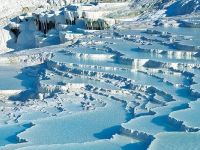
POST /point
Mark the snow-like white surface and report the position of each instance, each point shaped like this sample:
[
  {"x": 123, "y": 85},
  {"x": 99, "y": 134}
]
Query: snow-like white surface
[
  {"x": 176, "y": 140},
  {"x": 99, "y": 76},
  {"x": 189, "y": 116}
]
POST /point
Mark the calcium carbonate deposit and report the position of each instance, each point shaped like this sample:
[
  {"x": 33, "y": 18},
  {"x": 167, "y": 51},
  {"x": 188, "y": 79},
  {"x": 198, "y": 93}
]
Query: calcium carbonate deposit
[{"x": 99, "y": 75}]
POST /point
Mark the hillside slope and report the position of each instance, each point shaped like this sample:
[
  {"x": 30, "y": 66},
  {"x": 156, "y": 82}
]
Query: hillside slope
[{"x": 183, "y": 7}]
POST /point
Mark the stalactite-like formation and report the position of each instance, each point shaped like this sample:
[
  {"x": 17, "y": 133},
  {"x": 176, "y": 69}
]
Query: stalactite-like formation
[
  {"x": 46, "y": 22},
  {"x": 14, "y": 28},
  {"x": 99, "y": 24},
  {"x": 69, "y": 16}
]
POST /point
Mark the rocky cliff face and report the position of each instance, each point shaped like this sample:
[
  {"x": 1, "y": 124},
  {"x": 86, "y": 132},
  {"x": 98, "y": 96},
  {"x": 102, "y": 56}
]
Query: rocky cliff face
[
  {"x": 183, "y": 7},
  {"x": 173, "y": 7}
]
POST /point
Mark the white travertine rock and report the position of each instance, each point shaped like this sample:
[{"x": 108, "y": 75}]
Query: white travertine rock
[
  {"x": 67, "y": 36},
  {"x": 7, "y": 39}
]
